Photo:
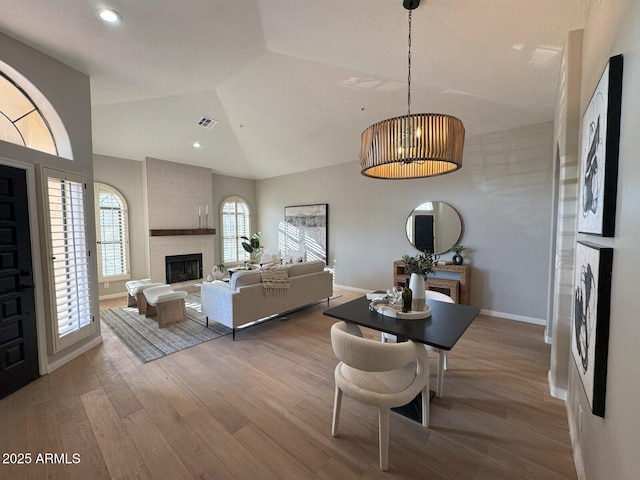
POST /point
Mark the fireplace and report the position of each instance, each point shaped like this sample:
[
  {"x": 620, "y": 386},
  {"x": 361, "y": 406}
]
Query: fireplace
[{"x": 182, "y": 268}]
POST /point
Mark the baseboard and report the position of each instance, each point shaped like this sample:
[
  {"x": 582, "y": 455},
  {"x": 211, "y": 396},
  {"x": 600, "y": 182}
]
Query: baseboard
[
  {"x": 112, "y": 295},
  {"x": 556, "y": 392},
  {"x": 52, "y": 367},
  {"x": 353, "y": 289},
  {"x": 575, "y": 445},
  {"x": 511, "y": 316},
  {"x": 490, "y": 313}
]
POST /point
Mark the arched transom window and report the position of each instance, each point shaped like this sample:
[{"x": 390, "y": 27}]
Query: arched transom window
[{"x": 21, "y": 121}]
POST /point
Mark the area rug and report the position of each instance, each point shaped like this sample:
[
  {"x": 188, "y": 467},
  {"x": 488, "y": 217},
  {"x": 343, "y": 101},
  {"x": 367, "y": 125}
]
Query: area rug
[{"x": 148, "y": 342}]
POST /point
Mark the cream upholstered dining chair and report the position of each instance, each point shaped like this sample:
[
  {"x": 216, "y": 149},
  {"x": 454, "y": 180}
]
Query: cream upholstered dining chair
[
  {"x": 433, "y": 351},
  {"x": 383, "y": 375}
]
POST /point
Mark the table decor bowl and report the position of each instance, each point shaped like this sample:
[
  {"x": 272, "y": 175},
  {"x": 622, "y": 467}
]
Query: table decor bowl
[{"x": 388, "y": 311}]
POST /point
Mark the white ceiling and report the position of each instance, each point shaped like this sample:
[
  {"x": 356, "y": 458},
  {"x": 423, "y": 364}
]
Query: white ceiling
[{"x": 292, "y": 83}]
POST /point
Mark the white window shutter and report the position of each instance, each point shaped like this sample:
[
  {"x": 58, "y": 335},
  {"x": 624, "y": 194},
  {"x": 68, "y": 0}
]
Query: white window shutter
[
  {"x": 235, "y": 224},
  {"x": 69, "y": 254},
  {"x": 112, "y": 228}
]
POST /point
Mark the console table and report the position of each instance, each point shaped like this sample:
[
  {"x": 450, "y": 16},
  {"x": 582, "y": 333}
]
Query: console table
[{"x": 458, "y": 289}]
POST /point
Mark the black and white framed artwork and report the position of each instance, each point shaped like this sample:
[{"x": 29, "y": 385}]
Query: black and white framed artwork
[
  {"x": 306, "y": 230},
  {"x": 599, "y": 154},
  {"x": 590, "y": 332}
]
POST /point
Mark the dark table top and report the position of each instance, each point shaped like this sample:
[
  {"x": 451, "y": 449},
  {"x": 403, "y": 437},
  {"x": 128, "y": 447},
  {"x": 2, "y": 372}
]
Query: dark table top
[{"x": 447, "y": 323}]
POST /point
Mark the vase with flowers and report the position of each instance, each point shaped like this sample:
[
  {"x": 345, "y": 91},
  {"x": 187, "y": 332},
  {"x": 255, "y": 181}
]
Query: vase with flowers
[{"x": 418, "y": 267}]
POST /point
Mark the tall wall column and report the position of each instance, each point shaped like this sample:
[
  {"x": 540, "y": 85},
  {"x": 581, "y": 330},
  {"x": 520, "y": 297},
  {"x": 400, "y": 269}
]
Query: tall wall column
[{"x": 567, "y": 148}]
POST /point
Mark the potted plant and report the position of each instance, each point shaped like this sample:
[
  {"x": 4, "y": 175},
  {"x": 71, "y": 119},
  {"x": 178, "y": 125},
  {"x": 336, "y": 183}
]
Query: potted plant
[
  {"x": 252, "y": 246},
  {"x": 421, "y": 264},
  {"x": 457, "y": 251},
  {"x": 418, "y": 267}
]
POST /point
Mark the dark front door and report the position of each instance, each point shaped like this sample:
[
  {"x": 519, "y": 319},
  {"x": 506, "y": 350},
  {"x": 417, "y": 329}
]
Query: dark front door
[
  {"x": 424, "y": 233},
  {"x": 18, "y": 338}
]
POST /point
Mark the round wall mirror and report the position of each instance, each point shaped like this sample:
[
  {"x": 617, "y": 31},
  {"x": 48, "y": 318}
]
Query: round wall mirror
[{"x": 434, "y": 227}]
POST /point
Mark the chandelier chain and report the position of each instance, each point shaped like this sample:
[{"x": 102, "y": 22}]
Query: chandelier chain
[{"x": 409, "y": 70}]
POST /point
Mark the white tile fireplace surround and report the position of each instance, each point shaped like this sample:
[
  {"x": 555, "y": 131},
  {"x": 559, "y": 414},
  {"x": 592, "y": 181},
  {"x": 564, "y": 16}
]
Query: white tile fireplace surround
[
  {"x": 161, "y": 247},
  {"x": 175, "y": 192}
]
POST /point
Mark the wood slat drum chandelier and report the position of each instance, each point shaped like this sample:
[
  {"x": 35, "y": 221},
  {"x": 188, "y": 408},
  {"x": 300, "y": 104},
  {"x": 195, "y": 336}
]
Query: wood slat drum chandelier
[{"x": 413, "y": 145}]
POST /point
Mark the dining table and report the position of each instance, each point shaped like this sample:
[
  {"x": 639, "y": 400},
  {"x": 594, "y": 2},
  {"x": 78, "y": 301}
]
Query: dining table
[{"x": 442, "y": 329}]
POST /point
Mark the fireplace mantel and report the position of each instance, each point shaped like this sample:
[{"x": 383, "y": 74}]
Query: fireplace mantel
[{"x": 181, "y": 231}]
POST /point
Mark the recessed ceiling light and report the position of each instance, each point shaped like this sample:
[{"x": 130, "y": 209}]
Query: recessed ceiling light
[
  {"x": 196, "y": 145},
  {"x": 109, "y": 16}
]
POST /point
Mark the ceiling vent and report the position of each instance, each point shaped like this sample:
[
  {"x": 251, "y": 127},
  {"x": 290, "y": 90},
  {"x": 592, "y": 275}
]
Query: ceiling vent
[{"x": 207, "y": 122}]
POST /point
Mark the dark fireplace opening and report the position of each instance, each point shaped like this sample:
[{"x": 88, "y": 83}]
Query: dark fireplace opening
[{"x": 182, "y": 268}]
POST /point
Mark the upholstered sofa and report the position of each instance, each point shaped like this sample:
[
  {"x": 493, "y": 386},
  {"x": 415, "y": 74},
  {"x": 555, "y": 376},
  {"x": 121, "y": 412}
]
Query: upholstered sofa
[{"x": 245, "y": 299}]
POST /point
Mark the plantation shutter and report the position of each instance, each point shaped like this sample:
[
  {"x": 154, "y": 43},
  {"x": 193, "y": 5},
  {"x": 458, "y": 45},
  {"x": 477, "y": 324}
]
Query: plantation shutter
[
  {"x": 70, "y": 259},
  {"x": 235, "y": 224},
  {"x": 112, "y": 229}
]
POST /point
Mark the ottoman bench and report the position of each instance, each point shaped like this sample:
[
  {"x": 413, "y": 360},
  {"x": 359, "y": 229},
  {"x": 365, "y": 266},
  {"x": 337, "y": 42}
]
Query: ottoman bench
[
  {"x": 167, "y": 304},
  {"x": 135, "y": 295},
  {"x": 132, "y": 290}
]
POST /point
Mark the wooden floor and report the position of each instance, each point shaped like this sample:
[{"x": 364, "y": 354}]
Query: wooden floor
[{"x": 260, "y": 408}]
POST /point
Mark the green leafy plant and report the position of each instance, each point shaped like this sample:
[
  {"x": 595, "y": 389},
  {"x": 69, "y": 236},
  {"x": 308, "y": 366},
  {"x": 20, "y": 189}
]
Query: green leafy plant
[
  {"x": 252, "y": 246},
  {"x": 457, "y": 249},
  {"x": 421, "y": 264},
  {"x": 251, "y": 243}
]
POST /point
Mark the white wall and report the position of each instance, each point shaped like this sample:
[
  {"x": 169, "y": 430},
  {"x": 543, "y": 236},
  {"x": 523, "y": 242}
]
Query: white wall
[
  {"x": 126, "y": 177},
  {"x": 68, "y": 92},
  {"x": 562, "y": 265},
  {"x": 608, "y": 447},
  {"x": 178, "y": 197},
  {"x": 503, "y": 194},
  {"x": 223, "y": 188}
]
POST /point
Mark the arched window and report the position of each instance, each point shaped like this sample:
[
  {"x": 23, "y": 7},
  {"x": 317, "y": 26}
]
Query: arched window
[
  {"x": 21, "y": 121},
  {"x": 112, "y": 232},
  {"x": 236, "y": 223}
]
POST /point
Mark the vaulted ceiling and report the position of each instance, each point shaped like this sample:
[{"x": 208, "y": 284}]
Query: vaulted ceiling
[{"x": 292, "y": 83}]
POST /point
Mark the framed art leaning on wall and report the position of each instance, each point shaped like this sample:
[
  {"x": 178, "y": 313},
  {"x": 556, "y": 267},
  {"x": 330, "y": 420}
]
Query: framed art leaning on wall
[
  {"x": 590, "y": 332},
  {"x": 599, "y": 154}
]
